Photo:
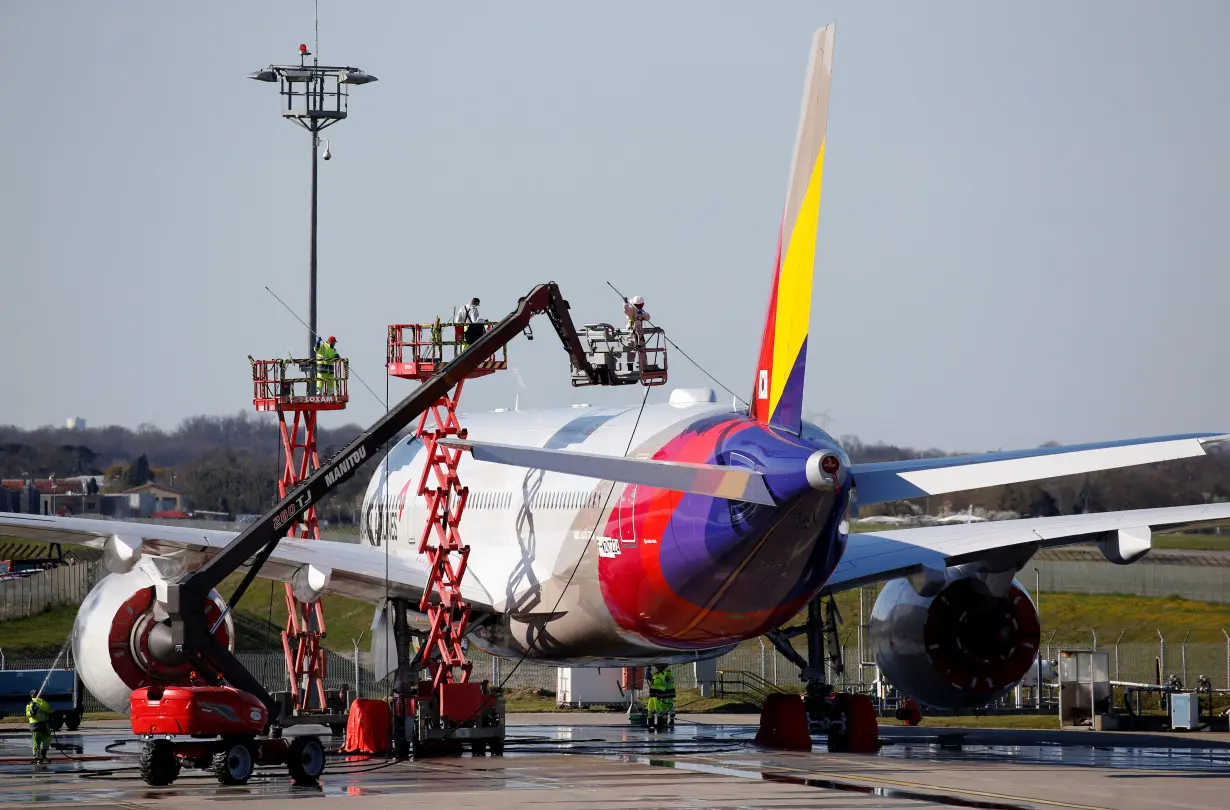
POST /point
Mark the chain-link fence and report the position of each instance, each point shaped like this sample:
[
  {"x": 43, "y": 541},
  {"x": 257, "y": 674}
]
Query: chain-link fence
[
  {"x": 35, "y": 593},
  {"x": 1146, "y": 663}
]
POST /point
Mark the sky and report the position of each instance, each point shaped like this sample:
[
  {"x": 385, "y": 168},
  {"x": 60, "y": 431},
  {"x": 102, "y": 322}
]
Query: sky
[{"x": 1022, "y": 231}]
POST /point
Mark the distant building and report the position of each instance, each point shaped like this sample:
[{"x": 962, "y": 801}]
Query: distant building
[
  {"x": 153, "y": 497},
  {"x": 48, "y": 496},
  {"x": 75, "y": 423}
]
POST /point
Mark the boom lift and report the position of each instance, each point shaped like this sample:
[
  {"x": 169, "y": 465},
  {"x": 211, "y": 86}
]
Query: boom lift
[{"x": 186, "y": 634}]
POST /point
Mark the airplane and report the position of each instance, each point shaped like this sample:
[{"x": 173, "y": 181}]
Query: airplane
[{"x": 670, "y": 533}]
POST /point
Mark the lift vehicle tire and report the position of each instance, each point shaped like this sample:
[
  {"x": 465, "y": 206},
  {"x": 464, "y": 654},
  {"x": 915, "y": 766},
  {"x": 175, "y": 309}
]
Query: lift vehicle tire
[
  {"x": 306, "y": 760},
  {"x": 233, "y": 764},
  {"x": 478, "y": 748},
  {"x": 57, "y": 721},
  {"x": 497, "y": 748},
  {"x": 159, "y": 765},
  {"x": 73, "y": 720}
]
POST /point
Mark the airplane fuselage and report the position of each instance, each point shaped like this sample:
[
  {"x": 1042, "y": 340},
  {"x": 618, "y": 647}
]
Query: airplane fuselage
[{"x": 662, "y": 575}]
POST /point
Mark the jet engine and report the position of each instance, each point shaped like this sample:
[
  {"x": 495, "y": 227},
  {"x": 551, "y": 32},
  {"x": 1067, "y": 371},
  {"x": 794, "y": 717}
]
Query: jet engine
[
  {"x": 120, "y": 645},
  {"x": 960, "y": 646}
]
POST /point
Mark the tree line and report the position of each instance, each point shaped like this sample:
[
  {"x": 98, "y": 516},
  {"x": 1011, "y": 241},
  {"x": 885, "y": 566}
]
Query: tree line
[{"x": 225, "y": 464}]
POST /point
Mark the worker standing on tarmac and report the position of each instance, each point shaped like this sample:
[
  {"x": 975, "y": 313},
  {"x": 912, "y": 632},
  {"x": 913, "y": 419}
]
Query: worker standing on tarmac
[
  {"x": 326, "y": 358},
  {"x": 38, "y": 714},
  {"x": 661, "y": 697}
]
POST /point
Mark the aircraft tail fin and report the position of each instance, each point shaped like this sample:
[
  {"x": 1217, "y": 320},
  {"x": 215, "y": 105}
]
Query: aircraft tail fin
[{"x": 777, "y": 399}]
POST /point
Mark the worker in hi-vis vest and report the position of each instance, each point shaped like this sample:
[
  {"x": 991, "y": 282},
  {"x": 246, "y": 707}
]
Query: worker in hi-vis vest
[
  {"x": 326, "y": 358},
  {"x": 38, "y": 714}
]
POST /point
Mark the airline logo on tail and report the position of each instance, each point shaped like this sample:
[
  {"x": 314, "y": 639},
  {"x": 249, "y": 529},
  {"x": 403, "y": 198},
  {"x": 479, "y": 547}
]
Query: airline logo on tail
[{"x": 778, "y": 399}]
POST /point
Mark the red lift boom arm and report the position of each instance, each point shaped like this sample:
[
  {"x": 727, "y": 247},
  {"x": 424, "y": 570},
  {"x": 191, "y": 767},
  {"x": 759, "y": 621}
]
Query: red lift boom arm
[{"x": 190, "y": 634}]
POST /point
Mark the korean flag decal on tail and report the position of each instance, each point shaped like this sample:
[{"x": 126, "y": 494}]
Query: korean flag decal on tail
[{"x": 762, "y": 390}]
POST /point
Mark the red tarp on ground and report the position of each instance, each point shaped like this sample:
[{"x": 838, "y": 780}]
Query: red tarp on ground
[{"x": 369, "y": 730}]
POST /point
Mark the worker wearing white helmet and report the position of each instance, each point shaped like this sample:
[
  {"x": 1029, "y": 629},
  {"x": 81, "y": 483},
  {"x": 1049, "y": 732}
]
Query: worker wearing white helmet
[{"x": 634, "y": 308}]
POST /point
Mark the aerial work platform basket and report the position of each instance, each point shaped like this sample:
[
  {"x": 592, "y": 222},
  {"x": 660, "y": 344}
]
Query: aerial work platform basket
[
  {"x": 416, "y": 351},
  {"x": 622, "y": 356},
  {"x": 292, "y": 384}
]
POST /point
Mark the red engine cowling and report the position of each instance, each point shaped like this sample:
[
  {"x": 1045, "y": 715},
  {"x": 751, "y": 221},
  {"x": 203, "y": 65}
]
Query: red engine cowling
[
  {"x": 111, "y": 638},
  {"x": 962, "y": 648},
  {"x": 201, "y": 711}
]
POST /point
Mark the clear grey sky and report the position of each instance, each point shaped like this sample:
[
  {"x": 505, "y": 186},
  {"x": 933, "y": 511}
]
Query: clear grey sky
[{"x": 1022, "y": 236}]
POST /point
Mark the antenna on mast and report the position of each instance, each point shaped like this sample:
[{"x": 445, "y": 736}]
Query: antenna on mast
[{"x": 316, "y": 53}]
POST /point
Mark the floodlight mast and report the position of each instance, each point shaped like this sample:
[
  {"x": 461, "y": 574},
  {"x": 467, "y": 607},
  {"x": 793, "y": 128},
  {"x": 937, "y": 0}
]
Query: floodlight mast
[{"x": 316, "y": 97}]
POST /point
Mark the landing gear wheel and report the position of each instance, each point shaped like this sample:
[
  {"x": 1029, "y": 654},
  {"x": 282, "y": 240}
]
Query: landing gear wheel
[
  {"x": 159, "y": 765},
  {"x": 478, "y": 748},
  {"x": 861, "y": 732},
  {"x": 233, "y": 764},
  {"x": 57, "y": 721},
  {"x": 306, "y": 760},
  {"x": 73, "y": 721}
]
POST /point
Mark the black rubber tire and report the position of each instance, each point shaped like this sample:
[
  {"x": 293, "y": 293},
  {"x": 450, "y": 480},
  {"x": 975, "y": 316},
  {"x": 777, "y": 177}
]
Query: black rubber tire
[
  {"x": 497, "y": 748},
  {"x": 306, "y": 760},
  {"x": 233, "y": 764},
  {"x": 73, "y": 721},
  {"x": 478, "y": 748},
  {"x": 159, "y": 765},
  {"x": 57, "y": 721},
  {"x": 338, "y": 729}
]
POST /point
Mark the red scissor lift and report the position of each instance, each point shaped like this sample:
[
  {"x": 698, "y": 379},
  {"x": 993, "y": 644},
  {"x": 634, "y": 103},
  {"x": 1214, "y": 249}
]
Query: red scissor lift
[
  {"x": 297, "y": 391},
  {"x": 448, "y": 709}
]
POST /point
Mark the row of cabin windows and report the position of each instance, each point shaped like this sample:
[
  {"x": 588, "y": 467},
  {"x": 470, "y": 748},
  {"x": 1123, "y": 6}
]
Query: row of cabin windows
[{"x": 542, "y": 500}]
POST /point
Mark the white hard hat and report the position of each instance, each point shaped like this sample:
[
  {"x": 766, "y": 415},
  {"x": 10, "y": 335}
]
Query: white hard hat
[{"x": 637, "y": 301}]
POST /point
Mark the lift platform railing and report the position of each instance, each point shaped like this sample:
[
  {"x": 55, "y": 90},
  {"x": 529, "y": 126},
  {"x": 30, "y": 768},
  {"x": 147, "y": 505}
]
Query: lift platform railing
[
  {"x": 419, "y": 350},
  {"x": 287, "y": 384},
  {"x": 623, "y": 356}
]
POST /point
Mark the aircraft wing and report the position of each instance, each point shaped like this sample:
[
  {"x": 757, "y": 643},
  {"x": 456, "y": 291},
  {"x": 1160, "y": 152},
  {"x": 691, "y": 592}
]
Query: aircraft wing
[
  {"x": 878, "y": 556},
  {"x": 356, "y": 571},
  {"x": 897, "y": 480}
]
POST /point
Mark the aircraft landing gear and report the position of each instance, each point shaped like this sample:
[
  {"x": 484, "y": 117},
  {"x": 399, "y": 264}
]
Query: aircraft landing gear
[{"x": 849, "y": 720}]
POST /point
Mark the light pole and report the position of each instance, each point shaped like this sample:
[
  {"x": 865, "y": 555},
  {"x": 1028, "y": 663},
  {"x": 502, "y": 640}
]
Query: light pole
[{"x": 315, "y": 97}]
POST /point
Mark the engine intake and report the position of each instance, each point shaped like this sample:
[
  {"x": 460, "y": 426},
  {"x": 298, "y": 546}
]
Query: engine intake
[
  {"x": 961, "y": 648},
  {"x": 118, "y": 643}
]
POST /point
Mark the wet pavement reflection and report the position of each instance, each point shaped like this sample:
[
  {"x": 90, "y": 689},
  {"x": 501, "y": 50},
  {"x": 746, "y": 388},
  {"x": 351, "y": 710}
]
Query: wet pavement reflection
[{"x": 99, "y": 766}]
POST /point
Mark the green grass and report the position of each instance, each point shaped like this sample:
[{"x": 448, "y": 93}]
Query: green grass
[
  {"x": 258, "y": 622},
  {"x": 1198, "y": 542}
]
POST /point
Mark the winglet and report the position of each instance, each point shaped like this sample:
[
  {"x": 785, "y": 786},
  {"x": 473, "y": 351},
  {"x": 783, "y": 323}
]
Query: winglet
[{"x": 777, "y": 398}]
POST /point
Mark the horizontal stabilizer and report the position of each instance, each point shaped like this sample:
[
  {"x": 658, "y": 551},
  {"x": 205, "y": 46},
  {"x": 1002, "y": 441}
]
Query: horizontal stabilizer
[
  {"x": 898, "y": 480},
  {"x": 701, "y": 479}
]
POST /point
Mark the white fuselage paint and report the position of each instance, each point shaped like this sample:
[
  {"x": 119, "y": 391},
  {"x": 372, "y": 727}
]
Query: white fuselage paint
[{"x": 527, "y": 529}]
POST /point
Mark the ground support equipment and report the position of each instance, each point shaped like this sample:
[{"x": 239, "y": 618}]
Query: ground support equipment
[
  {"x": 214, "y": 728},
  {"x": 190, "y": 638},
  {"x": 294, "y": 390},
  {"x": 444, "y": 711}
]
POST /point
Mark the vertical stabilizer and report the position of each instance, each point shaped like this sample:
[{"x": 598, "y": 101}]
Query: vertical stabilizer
[{"x": 777, "y": 398}]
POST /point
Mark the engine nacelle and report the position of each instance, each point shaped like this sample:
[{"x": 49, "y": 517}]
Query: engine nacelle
[
  {"x": 111, "y": 637},
  {"x": 961, "y": 648}
]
